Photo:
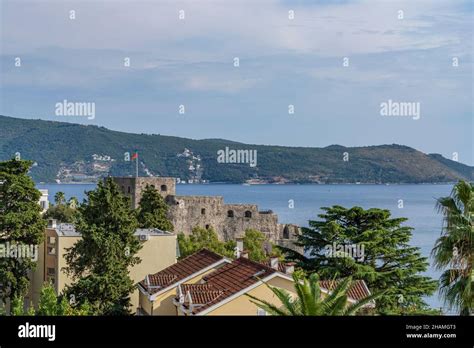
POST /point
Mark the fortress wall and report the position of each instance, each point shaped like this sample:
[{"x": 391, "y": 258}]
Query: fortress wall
[
  {"x": 187, "y": 212},
  {"x": 229, "y": 220}
]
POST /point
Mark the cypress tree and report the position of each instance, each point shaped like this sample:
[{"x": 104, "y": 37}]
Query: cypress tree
[
  {"x": 20, "y": 224},
  {"x": 100, "y": 261}
]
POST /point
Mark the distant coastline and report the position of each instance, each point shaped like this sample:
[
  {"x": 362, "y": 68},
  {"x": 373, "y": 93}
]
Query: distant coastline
[{"x": 86, "y": 153}]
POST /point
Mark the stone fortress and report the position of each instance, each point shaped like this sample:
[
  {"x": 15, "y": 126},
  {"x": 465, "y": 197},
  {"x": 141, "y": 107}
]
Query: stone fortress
[{"x": 229, "y": 220}]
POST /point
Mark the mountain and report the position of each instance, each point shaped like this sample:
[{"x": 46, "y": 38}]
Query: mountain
[{"x": 73, "y": 152}]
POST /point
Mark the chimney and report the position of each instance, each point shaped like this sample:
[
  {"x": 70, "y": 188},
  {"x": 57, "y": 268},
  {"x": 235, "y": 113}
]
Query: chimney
[
  {"x": 239, "y": 247},
  {"x": 274, "y": 262},
  {"x": 289, "y": 267},
  {"x": 268, "y": 248},
  {"x": 52, "y": 223},
  {"x": 244, "y": 254}
]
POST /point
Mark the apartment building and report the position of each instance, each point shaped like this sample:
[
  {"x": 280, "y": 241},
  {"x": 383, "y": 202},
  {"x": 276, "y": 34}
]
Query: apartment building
[{"x": 159, "y": 250}]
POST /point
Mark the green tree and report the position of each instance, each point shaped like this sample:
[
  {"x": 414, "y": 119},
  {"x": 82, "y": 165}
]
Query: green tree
[
  {"x": 152, "y": 210},
  {"x": 99, "y": 262},
  {"x": 454, "y": 250},
  {"x": 309, "y": 300},
  {"x": 48, "y": 302},
  {"x": 388, "y": 261},
  {"x": 51, "y": 305},
  {"x": 254, "y": 243},
  {"x": 62, "y": 213},
  {"x": 59, "y": 198},
  {"x": 20, "y": 224},
  {"x": 17, "y": 306},
  {"x": 73, "y": 203},
  {"x": 201, "y": 238}
]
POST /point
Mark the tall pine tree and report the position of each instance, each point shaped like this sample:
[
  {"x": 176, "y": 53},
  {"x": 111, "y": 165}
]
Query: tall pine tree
[
  {"x": 152, "y": 211},
  {"x": 100, "y": 261},
  {"x": 389, "y": 263},
  {"x": 20, "y": 224}
]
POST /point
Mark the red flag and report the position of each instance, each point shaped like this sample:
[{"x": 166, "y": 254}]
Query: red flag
[{"x": 135, "y": 156}]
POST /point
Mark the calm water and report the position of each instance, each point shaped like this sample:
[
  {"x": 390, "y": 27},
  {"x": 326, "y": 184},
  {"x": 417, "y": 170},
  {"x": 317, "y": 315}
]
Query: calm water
[{"x": 418, "y": 204}]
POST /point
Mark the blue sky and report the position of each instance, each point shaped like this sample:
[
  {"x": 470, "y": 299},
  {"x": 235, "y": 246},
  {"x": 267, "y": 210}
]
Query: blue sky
[{"x": 282, "y": 62}]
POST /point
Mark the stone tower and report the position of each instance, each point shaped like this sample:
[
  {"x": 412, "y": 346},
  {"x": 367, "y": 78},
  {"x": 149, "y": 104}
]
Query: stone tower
[{"x": 133, "y": 186}]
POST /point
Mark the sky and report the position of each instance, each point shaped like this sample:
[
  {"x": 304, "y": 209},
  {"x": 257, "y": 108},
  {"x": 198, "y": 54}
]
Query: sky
[{"x": 334, "y": 63}]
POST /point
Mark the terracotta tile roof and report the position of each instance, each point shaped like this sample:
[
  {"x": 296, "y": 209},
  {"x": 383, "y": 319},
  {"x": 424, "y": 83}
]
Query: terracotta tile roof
[
  {"x": 201, "y": 294},
  {"x": 357, "y": 291},
  {"x": 180, "y": 270},
  {"x": 229, "y": 280}
]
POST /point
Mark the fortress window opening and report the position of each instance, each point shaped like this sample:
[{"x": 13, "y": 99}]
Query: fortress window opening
[
  {"x": 248, "y": 214},
  {"x": 230, "y": 213}
]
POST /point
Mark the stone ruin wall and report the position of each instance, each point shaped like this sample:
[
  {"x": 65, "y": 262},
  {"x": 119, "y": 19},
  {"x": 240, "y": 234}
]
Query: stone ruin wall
[{"x": 229, "y": 220}]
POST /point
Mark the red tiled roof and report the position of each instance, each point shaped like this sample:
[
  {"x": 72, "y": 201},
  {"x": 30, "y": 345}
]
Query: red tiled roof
[
  {"x": 200, "y": 293},
  {"x": 357, "y": 291},
  {"x": 232, "y": 278},
  {"x": 180, "y": 270}
]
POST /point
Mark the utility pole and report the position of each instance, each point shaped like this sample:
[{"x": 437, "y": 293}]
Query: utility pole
[{"x": 136, "y": 165}]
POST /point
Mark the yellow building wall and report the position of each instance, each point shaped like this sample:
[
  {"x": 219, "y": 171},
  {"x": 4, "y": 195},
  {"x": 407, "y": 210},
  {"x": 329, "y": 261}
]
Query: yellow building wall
[
  {"x": 242, "y": 305},
  {"x": 157, "y": 253},
  {"x": 62, "y": 279},
  {"x": 37, "y": 277}
]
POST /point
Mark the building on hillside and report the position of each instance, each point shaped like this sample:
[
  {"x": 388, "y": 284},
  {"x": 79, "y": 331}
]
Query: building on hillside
[
  {"x": 159, "y": 250},
  {"x": 44, "y": 201},
  {"x": 229, "y": 220},
  {"x": 208, "y": 284}
]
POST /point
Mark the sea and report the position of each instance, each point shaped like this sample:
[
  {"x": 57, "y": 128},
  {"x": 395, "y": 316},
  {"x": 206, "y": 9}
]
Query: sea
[{"x": 298, "y": 204}]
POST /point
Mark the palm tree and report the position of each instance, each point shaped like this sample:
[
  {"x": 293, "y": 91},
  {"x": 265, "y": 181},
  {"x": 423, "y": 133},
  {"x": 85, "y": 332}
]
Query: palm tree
[
  {"x": 73, "y": 203},
  {"x": 59, "y": 198},
  {"x": 454, "y": 250},
  {"x": 310, "y": 301}
]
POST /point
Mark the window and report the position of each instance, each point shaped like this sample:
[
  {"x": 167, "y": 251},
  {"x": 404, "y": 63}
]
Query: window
[
  {"x": 207, "y": 227},
  {"x": 52, "y": 280},
  {"x": 163, "y": 188},
  {"x": 52, "y": 240},
  {"x": 129, "y": 189},
  {"x": 51, "y": 251},
  {"x": 203, "y": 211},
  {"x": 123, "y": 189},
  {"x": 248, "y": 214},
  {"x": 286, "y": 233},
  {"x": 51, "y": 271},
  {"x": 230, "y": 213}
]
